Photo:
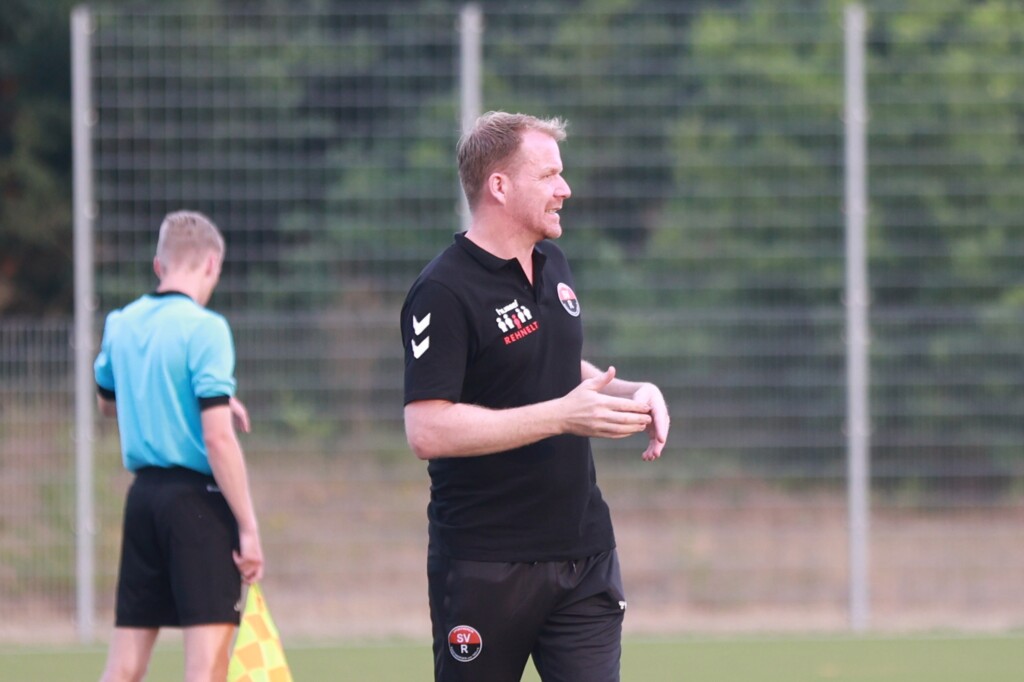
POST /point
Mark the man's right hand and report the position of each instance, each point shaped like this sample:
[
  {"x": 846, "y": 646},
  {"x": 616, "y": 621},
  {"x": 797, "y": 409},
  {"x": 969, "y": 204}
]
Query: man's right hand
[
  {"x": 589, "y": 412},
  {"x": 249, "y": 557}
]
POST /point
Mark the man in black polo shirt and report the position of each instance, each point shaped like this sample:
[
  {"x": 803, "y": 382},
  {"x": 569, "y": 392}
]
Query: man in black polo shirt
[{"x": 501, "y": 404}]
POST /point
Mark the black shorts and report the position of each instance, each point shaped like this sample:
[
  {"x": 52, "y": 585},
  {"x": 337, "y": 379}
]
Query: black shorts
[
  {"x": 176, "y": 563},
  {"x": 490, "y": 617}
]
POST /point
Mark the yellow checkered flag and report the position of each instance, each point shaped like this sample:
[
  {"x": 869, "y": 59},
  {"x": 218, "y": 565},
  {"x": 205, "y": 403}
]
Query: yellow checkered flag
[{"x": 258, "y": 655}]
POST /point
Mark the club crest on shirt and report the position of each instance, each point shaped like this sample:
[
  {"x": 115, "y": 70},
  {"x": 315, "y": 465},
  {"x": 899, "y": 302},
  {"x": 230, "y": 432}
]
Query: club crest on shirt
[
  {"x": 464, "y": 643},
  {"x": 567, "y": 297},
  {"x": 515, "y": 321}
]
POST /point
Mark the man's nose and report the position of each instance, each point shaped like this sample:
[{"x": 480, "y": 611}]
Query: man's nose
[{"x": 564, "y": 191}]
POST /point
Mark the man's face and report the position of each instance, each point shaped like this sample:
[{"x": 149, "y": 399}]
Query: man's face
[{"x": 538, "y": 189}]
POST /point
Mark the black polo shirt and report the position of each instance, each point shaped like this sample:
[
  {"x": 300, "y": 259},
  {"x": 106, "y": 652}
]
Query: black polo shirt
[{"x": 475, "y": 331}]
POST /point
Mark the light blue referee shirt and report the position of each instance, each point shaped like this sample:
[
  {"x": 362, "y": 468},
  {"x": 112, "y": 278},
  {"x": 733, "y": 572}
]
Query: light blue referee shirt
[{"x": 161, "y": 356}]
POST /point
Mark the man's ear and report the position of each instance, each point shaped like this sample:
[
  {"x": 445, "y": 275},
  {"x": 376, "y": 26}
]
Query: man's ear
[
  {"x": 157, "y": 268},
  {"x": 497, "y": 185},
  {"x": 212, "y": 263}
]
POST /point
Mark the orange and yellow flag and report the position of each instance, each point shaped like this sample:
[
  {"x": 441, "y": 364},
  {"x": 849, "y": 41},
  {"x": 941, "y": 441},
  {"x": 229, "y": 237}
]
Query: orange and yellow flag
[{"x": 258, "y": 655}]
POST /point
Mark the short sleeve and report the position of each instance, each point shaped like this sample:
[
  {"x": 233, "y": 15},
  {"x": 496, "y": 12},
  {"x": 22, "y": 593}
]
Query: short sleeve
[
  {"x": 435, "y": 334},
  {"x": 103, "y": 371},
  {"x": 211, "y": 359}
]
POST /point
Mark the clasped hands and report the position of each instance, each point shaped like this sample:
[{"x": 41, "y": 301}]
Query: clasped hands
[{"x": 595, "y": 411}]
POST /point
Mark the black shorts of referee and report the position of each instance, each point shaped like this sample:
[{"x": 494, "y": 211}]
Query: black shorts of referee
[
  {"x": 489, "y": 618},
  {"x": 177, "y": 568}
]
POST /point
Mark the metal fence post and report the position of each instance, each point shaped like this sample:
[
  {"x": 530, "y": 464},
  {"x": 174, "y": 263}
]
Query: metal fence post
[
  {"x": 82, "y": 113},
  {"x": 857, "y": 302},
  {"x": 470, "y": 87}
]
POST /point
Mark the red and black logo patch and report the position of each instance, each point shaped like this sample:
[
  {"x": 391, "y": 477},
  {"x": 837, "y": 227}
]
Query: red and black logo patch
[
  {"x": 568, "y": 299},
  {"x": 465, "y": 643}
]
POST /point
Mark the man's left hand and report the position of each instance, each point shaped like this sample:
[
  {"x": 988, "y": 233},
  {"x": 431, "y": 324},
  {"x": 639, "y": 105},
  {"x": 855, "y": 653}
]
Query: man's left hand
[{"x": 650, "y": 395}]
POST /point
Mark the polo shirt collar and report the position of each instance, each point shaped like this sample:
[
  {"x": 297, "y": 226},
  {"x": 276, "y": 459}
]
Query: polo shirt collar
[
  {"x": 169, "y": 292},
  {"x": 488, "y": 259}
]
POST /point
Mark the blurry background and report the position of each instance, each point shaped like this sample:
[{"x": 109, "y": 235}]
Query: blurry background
[{"x": 706, "y": 231}]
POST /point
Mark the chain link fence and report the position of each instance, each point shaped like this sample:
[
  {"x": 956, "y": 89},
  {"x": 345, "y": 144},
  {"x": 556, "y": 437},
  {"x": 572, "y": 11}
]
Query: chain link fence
[
  {"x": 37, "y": 490},
  {"x": 706, "y": 232}
]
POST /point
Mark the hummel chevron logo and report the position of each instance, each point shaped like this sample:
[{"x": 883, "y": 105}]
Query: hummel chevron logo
[
  {"x": 419, "y": 349},
  {"x": 419, "y": 325}
]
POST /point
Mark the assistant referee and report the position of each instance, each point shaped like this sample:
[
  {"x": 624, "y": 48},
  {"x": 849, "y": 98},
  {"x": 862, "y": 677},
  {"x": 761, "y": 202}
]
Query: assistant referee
[
  {"x": 166, "y": 371},
  {"x": 499, "y": 401}
]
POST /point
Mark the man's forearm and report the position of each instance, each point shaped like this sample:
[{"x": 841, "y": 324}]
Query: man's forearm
[
  {"x": 229, "y": 470},
  {"x": 442, "y": 429},
  {"x": 438, "y": 428}
]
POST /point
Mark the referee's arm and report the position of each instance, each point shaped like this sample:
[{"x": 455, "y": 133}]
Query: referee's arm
[
  {"x": 229, "y": 470},
  {"x": 106, "y": 400},
  {"x": 108, "y": 408}
]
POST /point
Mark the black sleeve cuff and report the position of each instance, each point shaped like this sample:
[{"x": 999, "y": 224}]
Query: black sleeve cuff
[
  {"x": 214, "y": 401},
  {"x": 105, "y": 393}
]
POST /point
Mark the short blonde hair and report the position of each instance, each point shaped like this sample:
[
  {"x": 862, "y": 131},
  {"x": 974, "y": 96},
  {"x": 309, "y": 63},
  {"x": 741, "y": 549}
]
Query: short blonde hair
[
  {"x": 186, "y": 237},
  {"x": 494, "y": 140}
]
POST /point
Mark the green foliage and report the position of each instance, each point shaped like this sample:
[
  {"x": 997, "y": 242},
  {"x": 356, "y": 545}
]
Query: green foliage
[
  {"x": 35, "y": 158},
  {"x": 946, "y": 233},
  {"x": 706, "y": 160}
]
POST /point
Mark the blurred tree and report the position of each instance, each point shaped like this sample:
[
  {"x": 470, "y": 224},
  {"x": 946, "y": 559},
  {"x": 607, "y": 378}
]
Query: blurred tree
[
  {"x": 754, "y": 224},
  {"x": 947, "y": 195},
  {"x": 705, "y": 155},
  {"x": 35, "y": 158}
]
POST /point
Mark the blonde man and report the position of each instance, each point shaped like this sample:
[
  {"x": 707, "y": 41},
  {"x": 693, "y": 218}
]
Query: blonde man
[
  {"x": 165, "y": 370},
  {"x": 502, "y": 406}
]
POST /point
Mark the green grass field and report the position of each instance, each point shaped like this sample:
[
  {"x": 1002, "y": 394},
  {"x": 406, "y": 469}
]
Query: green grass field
[{"x": 784, "y": 659}]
